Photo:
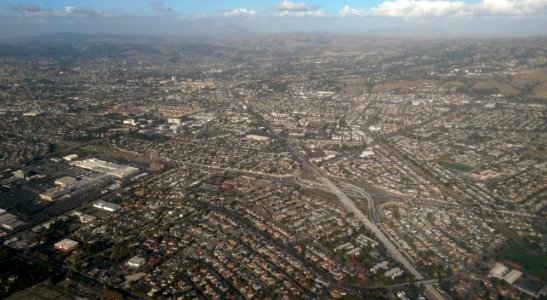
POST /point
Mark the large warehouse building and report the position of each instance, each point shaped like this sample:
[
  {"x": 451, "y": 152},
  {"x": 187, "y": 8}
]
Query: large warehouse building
[{"x": 101, "y": 166}]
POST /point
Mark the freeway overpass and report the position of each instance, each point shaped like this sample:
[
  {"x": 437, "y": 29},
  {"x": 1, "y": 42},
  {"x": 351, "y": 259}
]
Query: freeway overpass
[{"x": 430, "y": 290}]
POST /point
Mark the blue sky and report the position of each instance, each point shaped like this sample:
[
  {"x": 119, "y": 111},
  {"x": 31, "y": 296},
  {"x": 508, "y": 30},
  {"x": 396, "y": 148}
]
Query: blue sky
[
  {"x": 417, "y": 17},
  {"x": 187, "y": 6}
]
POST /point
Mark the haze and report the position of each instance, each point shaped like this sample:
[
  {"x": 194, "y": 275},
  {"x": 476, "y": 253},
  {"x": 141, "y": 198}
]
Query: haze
[{"x": 399, "y": 18}]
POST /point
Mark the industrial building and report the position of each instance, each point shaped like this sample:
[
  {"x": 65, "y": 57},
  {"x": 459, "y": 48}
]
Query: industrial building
[
  {"x": 9, "y": 221},
  {"x": 67, "y": 184},
  {"x": 71, "y": 157},
  {"x": 66, "y": 245},
  {"x": 54, "y": 193},
  {"x": 108, "y": 206},
  {"x": 101, "y": 166},
  {"x": 136, "y": 262},
  {"x": 65, "y": 181}
]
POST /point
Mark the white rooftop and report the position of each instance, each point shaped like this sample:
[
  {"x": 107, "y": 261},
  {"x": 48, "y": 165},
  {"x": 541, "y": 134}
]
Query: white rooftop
[
  {"x": 512, "y": 276},
  {"x": 498, "y": 271},
  {"x": 102, "y": 166}
]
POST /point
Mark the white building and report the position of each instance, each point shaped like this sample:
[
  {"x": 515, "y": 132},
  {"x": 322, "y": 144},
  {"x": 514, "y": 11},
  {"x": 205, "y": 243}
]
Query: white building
[
  {"x": 136, "y": 262},
  {"x": 131, "y": 122},
  {"x": 512, "y": 276},
  {"x": 257, "y": 137},
  {"x": 102, "y": 166},
  {"x": 108, "y": 206},
  {"x": 176, "y": 121},
  {"x": 65, "y": 181},
  {"x": 66, "y": 245},
  {"x": 71, "y": 157}
]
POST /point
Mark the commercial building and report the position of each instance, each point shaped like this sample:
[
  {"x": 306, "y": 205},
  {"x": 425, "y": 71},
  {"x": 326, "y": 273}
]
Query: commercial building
[
  {"x": 101, "y": 166},
  {"x": 498, "y": 271},
  {"x": 65, "y": 181},
  {"x": 108, "y": 206},
  {"x": 258, "y": 137},
  {"x": 512, "y": 276},
  {"x": 9, "y": 221},
  {"x": 71, "y": 157},
  {"x": 136, "y": 262},
  {"x": 54, "y": 193},
  {"x": 66, "y": 245}
]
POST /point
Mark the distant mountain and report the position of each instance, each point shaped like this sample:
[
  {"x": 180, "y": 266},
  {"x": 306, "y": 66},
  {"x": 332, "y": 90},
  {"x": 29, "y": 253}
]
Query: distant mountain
[
  {"x": 228, "y": 32},
  {"x": 66, "y": 45}
]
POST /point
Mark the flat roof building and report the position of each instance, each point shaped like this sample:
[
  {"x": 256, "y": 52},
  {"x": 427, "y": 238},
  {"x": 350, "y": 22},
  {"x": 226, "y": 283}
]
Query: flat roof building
[
  {"x": 101, "y": 166},
  {"x": 136, "y": 262},
  {"x": 9, "y": 221},
  {"x": 108, "y": 206},
  {"x": 65, "y": 181},
  {"x": 54, "y": 193},
  {"x": 66, "y": 245},
  {"x": 498, "y": 271},
  {"x": 512, "y": 276},
  {"x": 71, "y": 157}
]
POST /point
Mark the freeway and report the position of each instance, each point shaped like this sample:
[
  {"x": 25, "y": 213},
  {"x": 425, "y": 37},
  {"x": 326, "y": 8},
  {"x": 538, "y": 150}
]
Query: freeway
[
  {"x": 357, "y": 192},
  {"x": 431, "y": 291}
]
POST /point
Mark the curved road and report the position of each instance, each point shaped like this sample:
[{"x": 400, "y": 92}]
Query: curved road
[{"x": 431, "y": 291}]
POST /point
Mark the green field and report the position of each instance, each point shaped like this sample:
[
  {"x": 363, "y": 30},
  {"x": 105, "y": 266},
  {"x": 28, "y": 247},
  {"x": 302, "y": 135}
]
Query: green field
[
  {"x": 459, "y": 167},
  {"x": 217, "y": 132},
  {"x": 530, "y": 256}
]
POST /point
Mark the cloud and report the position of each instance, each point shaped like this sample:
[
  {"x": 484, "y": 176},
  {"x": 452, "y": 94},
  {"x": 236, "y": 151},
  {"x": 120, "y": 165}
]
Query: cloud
[
  {"x": 511, "y": 7},
  {"x": 420, "y": 8},
  {"x": 443, "y": 8},
  {"x": 72, "y": 11},
  {"x": 347, "y": 11},
  {"x": 289, "y": 9},
  {"x": 292, "y": 6},
  {"x": 34, "y": 11},
  {"x": 240, "y": 12},
  {"x": 160, "y": 6},
  {"x": 25, "y": 7},
  {"x": 301, "y": 14},
  {"x": 194, "y": 16}
]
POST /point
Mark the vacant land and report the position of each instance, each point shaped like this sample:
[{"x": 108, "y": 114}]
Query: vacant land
[
  {"x": 528, "y": 255},
  {"x": 459, "y": 167},
  {"x": 495, "y": 87},
  {"x": 402, "y": 85}
]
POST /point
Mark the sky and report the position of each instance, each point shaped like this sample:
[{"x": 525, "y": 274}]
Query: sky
[{"x": 421, "y": 18}]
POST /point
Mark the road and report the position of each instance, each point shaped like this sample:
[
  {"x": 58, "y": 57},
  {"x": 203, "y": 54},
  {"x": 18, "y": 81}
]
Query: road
[{"x": 430, "y": 290}]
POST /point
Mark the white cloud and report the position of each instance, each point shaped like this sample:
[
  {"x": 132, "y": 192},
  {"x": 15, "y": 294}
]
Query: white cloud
[
  {"x": 239, "y": 12},
  {"x": 36, "y": 12},
  {"x": 511, "y": 7},
  {"x": 351, "y": 11},
  {"x": 292, "y": 6},
  {"x": 420, "y": 8},
  {"x": 70, "y": 9},
  {"x": 289, "y": 9},
  {"x": 301, "y": 14},
  {"x": 194, "y": 16},
  {"x": 444, "y": 8}
]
